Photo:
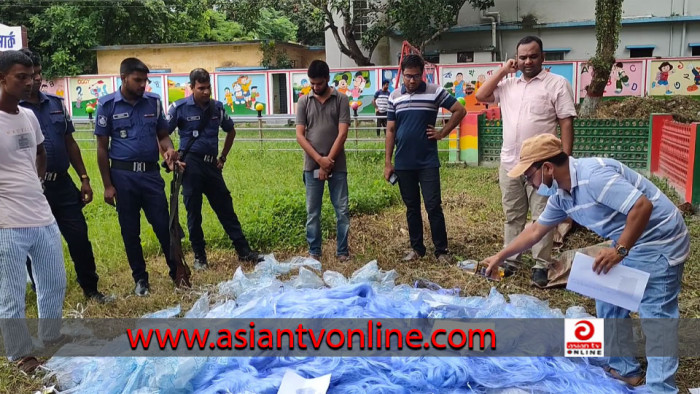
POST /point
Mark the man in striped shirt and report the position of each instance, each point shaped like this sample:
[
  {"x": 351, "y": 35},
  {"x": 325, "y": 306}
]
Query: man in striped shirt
[
  {"x": 381, "y": 102},
  {"x": 647, "y": 229},
  {"x": 412, "y": 116}
]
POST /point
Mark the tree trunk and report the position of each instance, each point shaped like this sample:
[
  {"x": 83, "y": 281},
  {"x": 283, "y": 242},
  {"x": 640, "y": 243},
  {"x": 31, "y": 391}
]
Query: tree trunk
[
  {"x": 608, "y": 15},
  {"x": 589, "y": 106}
]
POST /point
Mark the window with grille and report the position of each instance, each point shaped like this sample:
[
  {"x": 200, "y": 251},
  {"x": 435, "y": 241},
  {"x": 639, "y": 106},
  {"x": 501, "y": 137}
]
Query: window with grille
[
  {"x": 360, "y": 14},
  {"x": 641, "y": 52},
  {"x": 465, "y": 57}
]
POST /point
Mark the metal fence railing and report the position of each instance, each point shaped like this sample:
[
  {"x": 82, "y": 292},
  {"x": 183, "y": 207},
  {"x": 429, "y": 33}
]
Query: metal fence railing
[{"x": 278, "y": 132}]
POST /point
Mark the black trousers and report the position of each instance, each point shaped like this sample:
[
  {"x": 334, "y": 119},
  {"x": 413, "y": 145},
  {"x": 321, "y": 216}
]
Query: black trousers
[
  {"x": 202, "y": 178},
  {"x": 137, "y": 191},
  {"x": 66, "y": 205},
  {"x": 381, "y": 122},
  {"x": 411, "y": 184}
]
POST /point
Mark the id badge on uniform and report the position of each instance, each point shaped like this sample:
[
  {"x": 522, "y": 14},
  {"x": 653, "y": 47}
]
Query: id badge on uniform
[
  {"x": 122, "y": 133},
  {"x": 195, "y": 133}
]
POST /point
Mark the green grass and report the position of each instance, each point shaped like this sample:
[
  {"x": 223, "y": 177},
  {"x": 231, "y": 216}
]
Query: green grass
[{"x": 268, "y": 196}]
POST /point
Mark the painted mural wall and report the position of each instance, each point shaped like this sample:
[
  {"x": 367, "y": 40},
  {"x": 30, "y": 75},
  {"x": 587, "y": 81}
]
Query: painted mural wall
[
  {"x": 155, "y": 85},
  {"x": 358, "y": 85},
  {"x": 626, "y": 79},
  {"x": 55, "y": 86},
  {"x": 178, "y": 87},
  {"x": 241, "y": 93},
  {"x": 674, "y": 77},
  {"x": 464, "y": 81},
  {"x": 86, "y": 90}
]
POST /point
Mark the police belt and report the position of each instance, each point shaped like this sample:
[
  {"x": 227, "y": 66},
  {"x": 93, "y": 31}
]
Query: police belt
[
  {"x": 54, "y": 176},
  {"x": 211, "y": 159},
  {"x": 135, "y": 166}
]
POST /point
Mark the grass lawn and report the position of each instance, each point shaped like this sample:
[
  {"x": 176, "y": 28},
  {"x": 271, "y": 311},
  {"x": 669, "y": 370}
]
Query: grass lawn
[{"x": 268, "y": 195}]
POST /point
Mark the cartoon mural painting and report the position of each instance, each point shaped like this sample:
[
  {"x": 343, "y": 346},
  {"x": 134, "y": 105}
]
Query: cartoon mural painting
[
  {"x": 392, "y": 75},
  {"x": 86, "y": 91},
  {"x": 674, "y": 77},
  {"x": 178, "y": 87},
  {"x": 626, "y": 79},
  {"x": 696, "y": 74},
  {"x": 55, "y": 86},
  {"x": 154, "y": 84},
  {"x": 665, "y": 69},
  {"x": 241, "y": 92},
  {"x": 462, "y": 82},
  {"x": 357, "y": 85},
  {"x": 78, "y": 96},
  {"x": 228, "y": 97}
]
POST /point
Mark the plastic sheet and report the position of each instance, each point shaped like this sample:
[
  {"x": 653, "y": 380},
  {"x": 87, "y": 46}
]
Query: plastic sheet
[{"x": 369, "y": 292}]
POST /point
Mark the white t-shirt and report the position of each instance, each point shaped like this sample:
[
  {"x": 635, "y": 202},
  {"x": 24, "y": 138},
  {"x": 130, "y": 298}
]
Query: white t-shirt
[{"x": 22, "y": 201}]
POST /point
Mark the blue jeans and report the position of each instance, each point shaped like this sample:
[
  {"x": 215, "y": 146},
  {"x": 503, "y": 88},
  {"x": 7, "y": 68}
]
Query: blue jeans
[
  {"x": 338, "y": 188},
  {"x": 660, "y": 301},
  {"x": 45, "y": 247}
]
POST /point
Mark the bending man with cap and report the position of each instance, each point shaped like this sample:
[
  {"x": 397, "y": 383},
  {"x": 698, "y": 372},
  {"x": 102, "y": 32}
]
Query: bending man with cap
[{"x": 648, "y": 234}]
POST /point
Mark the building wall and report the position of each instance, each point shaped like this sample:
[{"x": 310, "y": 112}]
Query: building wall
[
  {"x": 667, "y": 37},
  {"x": 182, "y": 59}
]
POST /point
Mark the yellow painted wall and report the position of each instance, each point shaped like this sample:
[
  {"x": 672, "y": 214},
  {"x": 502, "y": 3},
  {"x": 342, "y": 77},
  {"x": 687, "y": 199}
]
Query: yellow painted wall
[{"x": 182, "y": 59}]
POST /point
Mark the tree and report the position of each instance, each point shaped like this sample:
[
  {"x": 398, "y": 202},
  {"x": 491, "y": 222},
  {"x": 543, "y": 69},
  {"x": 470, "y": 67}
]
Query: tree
[
  {"x": 419, "y": 21},
  {"x": 608, "y": 16},
  {"x": 272, "y": 25},
  {"x": 65, "y": 35},
  {"x": 437, "y": 17},
  {"x": 222, "y": 30}
]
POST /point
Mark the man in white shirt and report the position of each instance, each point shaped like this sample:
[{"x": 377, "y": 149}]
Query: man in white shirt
[{"x": 27, "y": 226}]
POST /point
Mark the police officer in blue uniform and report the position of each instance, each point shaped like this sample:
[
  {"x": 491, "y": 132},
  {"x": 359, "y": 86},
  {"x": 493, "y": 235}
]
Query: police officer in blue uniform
[
  {"x": 198, "y": 119},
  {"x": 65, "y": 199},
  {"x": 131, "y": 130}
]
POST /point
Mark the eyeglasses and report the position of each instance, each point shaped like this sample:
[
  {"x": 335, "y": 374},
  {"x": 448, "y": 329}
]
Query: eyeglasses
[
  {"x": 415, "y": 77},
  {"x": 528, "y": 178}
]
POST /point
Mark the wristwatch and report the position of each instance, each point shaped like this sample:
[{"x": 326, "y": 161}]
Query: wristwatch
[
  {"x": 621, "y": 250},
  {"x": 84, "y": 177},
  {"x": 223, "y": 159}
]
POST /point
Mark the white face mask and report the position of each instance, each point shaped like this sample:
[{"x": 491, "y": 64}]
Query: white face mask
[{"x": 545, "y": 190}]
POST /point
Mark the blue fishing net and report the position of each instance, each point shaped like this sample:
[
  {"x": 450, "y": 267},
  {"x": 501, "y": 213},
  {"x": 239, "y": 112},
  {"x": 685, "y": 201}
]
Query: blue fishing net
[{"x": 368, "y": 293}]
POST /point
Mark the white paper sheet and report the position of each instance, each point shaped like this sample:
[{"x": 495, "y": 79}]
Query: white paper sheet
[
  {"x": 621, "y": 286},
  {"x": 295, "y": 384}
]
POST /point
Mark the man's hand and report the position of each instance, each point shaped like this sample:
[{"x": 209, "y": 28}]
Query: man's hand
[
  {"x": 605, "y": 260},
  {"x": 433, "y": 133},
  {"x": 219, "y": 164},
  {"x": 322, "y": 174},
  {"x": 510, "y": 67},
  {"x": 171, "y": 156},
  {"x": 492, "y": 264},
  {"x": 326, "y": 164},
  {"x": 86, "y": 192},
  {"x": 388, "y": 170},
  {"x": 111, "y": 196}
]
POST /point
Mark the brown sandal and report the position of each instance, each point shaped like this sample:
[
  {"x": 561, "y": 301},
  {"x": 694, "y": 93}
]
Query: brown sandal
[{"x": 28, "y": 364}]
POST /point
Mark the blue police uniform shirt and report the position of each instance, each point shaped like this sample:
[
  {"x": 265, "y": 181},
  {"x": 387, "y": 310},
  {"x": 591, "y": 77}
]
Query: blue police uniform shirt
[
  {"x": 133, "y": 130},
  {"x": 55, "y": 125},
  {"x": 186, "y": 116}
]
